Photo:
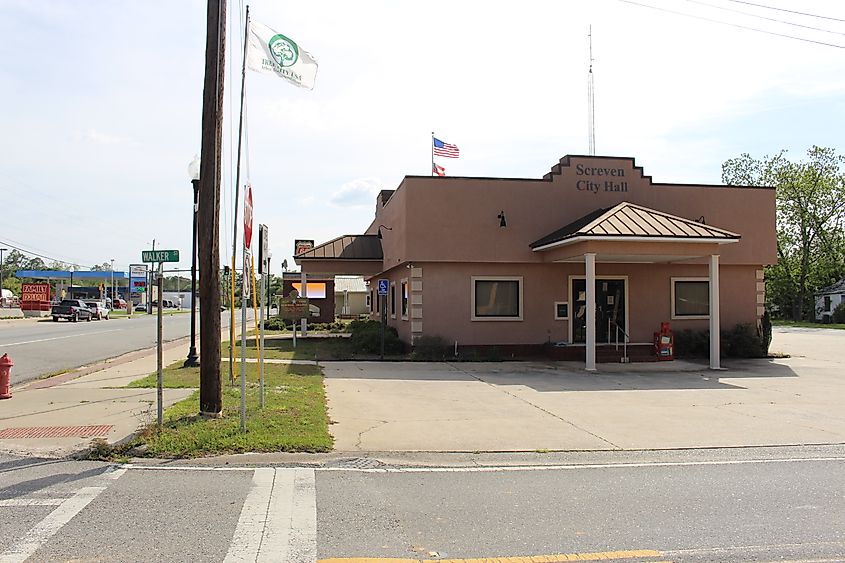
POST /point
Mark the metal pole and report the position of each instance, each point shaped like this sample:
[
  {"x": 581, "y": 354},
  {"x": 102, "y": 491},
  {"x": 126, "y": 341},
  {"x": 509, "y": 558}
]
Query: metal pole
[
  {"x": 243, "y": 349},
  {"x": 160, "y": 378},
  {"x": 261, "y": 358},
  {"x": 304, "y": 295},
  {"x": 269, "y": 280},
  {"x": 383, "y": 300},
  {"x": 2, "y": 250},
  {"x": 150, "y": 284},
  {"x": 191, "y": 361},
  {"x": 237, "y": 191}
]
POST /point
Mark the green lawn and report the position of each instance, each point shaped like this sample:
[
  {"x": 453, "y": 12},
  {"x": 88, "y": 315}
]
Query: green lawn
[
  {"x": 294, "y": 417},
  {"x": 807, "y": 324}
]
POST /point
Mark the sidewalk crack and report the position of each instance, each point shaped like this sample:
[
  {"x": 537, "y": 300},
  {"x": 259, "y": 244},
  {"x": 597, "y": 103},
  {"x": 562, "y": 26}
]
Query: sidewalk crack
[
  {"x": 538, "y": 407},
  {"x": 362, "y": 432}
]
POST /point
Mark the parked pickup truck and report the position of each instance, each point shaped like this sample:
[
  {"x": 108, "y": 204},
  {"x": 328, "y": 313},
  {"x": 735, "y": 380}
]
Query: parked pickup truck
[{"x": 72, "y": 310}]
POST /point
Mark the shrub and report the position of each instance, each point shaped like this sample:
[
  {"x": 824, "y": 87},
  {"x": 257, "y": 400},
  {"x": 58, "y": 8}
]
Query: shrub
[
  {"x": 430, "y": 349},
  {"x": 839, "y": 313},
  {"x": 743, "y": 342},
  {"x": 366, "y": 338},
  {"x": 692, "y": 343},
  {"x": 276, "y": 323},
  {"x": 766, "y": 333}
]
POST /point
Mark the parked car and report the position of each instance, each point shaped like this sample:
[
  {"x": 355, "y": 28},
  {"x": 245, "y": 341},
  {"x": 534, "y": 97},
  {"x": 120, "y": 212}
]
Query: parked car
[
  {"x": 99, "y": 310},
  {"x": 141, "y": 308},
  {"x": 72, "y": 310},
  {"x": 118, "y": 303}
]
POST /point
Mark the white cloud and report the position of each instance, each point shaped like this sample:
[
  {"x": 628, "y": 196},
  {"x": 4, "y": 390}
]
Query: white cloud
[
  {"x": 357, "y": 193},
  {"x": 100, "y": 138}
]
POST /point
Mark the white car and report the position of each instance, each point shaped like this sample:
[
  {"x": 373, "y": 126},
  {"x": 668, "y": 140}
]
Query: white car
[{"x": 99, "y": 310}]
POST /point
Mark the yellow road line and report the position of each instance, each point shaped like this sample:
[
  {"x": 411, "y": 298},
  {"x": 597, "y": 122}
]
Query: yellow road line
[{"x": 559, "y": 558}]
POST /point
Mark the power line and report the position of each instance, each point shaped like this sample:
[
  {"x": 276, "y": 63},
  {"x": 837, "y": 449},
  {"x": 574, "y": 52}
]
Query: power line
[
  {"x": 753, "y": 15},
  {"x": 758, "y": 30},
  {"x": 788, "y": 11},
  {"x": 39, "y": 255}
]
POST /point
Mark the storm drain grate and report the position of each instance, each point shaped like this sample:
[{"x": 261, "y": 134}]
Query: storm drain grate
[
  {"x": 57, "y": 431},
  {"x": 356, "y": 463}
]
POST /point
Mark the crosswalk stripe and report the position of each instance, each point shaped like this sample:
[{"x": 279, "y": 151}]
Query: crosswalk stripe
[
  {"x": 45, "y": 529},
  {"x": 278, "y": 521},
  {"x": 246, "y": 542},
  {"x": 31, "y": 501}
]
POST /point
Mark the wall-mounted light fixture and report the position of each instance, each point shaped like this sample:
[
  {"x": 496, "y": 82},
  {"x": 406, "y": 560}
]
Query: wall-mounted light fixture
[
  {"x": 380, "y": 227},
  {"x": 502, "y": 221}
]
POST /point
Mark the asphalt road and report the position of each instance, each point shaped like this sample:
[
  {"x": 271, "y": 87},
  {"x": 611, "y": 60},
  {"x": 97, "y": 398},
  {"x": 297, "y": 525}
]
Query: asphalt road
[
  {"x": 764, "y": 504},
  {"x": 40, "y": 347}
]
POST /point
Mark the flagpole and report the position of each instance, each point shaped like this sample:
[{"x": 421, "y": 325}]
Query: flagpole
[
  {"x": 235, "y": 227},
  {"x": 432, "y": 153}
]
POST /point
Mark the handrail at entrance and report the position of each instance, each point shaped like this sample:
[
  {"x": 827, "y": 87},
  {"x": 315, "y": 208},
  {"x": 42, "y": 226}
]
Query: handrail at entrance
[{"x": 625, "y": 340}]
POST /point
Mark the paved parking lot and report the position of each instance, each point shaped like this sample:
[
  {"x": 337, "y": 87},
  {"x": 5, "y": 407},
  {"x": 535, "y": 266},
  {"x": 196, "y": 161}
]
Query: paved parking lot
[{"x": 527, "y": 406}]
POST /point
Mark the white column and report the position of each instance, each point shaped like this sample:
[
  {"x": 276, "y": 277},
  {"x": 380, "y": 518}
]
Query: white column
[
  {"x": 714, "y": 312},
  {"x": 590, "y": 267},
  {"x": 304, "y": 294}
]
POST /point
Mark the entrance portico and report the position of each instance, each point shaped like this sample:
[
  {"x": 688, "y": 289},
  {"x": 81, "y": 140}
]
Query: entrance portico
[{"x": 633, "y": 234}]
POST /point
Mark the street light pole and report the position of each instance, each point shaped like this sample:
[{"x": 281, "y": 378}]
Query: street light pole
[
  {"x": 192, "y": 359},
  {"x": 2, "y": 250},
  {"x": 112, "y": 283}
]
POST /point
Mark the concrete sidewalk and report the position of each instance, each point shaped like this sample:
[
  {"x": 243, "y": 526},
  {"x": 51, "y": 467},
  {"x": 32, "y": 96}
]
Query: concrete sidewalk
[{"x": 69, "y": 412}]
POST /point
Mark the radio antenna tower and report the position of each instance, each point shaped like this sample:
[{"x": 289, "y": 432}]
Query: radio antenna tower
[{"x": 591, "y": 101}]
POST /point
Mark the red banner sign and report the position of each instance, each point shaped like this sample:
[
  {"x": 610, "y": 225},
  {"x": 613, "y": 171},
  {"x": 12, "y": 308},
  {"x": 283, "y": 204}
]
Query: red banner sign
[{"x": 35, "y": 292}]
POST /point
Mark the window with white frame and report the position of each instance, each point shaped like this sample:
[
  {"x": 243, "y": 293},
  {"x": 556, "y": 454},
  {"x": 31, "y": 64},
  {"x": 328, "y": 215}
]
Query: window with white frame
[
  {"x": 497, "y": 298},
  {"x": 690, "y": 298}
]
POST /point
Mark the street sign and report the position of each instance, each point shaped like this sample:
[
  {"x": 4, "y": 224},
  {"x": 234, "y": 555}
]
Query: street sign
[
  {"x": 383, "y": 286},
  {"x": 263, "y": 247},
  {"x": 248, "y": 217},
  {"x": 159, "y": 255}
]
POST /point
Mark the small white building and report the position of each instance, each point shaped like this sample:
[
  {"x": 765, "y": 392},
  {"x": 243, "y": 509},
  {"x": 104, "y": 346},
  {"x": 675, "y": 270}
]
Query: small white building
[
  {"x": 828, "y": 299},
  {"x": 351, "y": 296}
]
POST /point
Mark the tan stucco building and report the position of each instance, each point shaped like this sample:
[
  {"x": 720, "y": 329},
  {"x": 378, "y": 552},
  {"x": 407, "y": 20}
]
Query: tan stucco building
[{"x": 513, "y": 262}]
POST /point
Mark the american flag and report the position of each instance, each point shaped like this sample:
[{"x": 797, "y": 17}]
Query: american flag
[
  {"x": 437, "y": 169},
  {"x": 445, "y": 149}
]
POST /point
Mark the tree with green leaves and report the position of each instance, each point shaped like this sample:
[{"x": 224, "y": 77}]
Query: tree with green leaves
[{"x": 810, "y": 220}]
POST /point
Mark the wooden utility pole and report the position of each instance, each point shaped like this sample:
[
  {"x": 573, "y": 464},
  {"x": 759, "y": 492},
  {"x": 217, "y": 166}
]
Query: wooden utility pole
[{"x": 208, "y": 215}]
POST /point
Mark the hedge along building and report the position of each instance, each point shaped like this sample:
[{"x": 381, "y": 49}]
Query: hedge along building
[{"x": 514, "y": 262}]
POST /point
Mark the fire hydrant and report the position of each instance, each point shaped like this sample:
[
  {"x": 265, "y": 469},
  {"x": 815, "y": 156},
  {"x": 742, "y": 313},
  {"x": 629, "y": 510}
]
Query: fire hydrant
[{"x": 5, "y": 367}]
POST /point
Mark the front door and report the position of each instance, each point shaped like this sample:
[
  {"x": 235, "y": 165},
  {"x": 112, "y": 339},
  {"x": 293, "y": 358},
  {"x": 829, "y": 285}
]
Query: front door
[{"x": 610, "y": 309}]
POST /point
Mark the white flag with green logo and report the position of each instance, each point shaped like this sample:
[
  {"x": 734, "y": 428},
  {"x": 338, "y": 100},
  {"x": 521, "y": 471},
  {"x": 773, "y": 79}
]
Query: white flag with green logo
[{"x": 273, "y": 52}]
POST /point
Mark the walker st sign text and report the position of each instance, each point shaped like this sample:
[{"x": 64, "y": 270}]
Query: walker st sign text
[{"x": 159, "y": 255}]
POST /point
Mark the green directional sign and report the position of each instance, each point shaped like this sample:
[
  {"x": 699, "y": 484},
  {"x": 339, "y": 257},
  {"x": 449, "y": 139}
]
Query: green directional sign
[{"x": 159, "y": 255}]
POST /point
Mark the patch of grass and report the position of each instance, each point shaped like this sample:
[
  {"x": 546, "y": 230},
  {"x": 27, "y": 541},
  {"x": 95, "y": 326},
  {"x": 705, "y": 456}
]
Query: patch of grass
[
  {"x": 807, "y": 324},
  {"x": 175, "y": 376},
  {"x": 294, "y": 418},
  {"x": 50, "y": 374}
]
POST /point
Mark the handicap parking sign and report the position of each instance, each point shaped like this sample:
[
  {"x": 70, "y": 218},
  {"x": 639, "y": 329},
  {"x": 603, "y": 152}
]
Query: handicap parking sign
[{"x": 383, "y": 286}]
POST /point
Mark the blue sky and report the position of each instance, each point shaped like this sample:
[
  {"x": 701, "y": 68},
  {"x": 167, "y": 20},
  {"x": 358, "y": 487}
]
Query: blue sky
[{"x": 101, "y": 106}]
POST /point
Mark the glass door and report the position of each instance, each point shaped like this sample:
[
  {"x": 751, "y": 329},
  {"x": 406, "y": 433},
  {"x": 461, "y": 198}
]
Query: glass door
[{"x": 610, "y": 309}]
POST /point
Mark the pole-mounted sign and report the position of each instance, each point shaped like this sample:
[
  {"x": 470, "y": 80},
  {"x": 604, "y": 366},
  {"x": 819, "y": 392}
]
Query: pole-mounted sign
[
  {"x": 263, "y": 247},
  {"x": 248, "y": 217},
  {"x": 159, "y": 255}
]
